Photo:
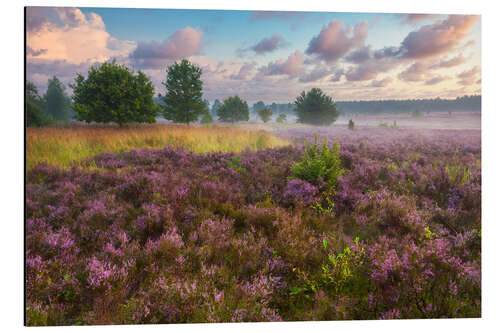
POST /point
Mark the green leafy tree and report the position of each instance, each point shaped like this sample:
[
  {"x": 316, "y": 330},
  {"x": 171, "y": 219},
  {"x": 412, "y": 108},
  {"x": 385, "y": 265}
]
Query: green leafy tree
[
  {"x": 183, "y": 101},
  {"x": 281, "y": 118},
  {"x": 113, "y": 93},
  {"x": 56, "y": 100},
  {"x": 258, "y": 106},
  {"x": 233, "y": 109},
  {"x": 265, "y": 114},
  {"x": 35, "y": 114},
  {"x": 315, "y": 108}
]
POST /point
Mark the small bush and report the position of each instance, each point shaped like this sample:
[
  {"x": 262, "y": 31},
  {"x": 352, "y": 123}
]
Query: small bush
[
  {"x": 281, "y": 118},
  {"x": 319, "y": 164},
  {"x": 265, "y": 114},
  {"x": 351, "y": 124},
  {"x": 417, "y": 113}
]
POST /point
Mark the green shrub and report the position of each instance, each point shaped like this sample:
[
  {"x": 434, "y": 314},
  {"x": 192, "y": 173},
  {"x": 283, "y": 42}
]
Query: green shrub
[
  {"x": 265, "y": 114},
  {"x": 351, "y": 124},
  {"x": 417, "y": 113},
  {"x": 235, "y": 164},
  {"x": 319, "y": 164},
  {"x": 281, "y": 118}
]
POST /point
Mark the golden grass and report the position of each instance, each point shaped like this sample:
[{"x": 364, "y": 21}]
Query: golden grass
[{"x": 64, "y": 146}]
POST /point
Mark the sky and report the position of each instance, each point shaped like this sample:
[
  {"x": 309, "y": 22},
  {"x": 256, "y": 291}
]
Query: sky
[{"x": 265, "y": 55}]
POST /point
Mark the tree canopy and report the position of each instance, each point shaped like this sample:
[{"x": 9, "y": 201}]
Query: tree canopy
[
  {"x": 113, "y": 93},
  {"x": 233, "y": 109},
  {"x": 315, "y": 108},
  {"x": 265, "y": 114},
  {"x": 56, "y": 100},
  {"x": 216, "y": 104},
  {"x": 281, "y": 118},
  {"x": 35, "y": 114},
  {"x": 183, "y": 100},
  {"x": 258, "y": 106}
]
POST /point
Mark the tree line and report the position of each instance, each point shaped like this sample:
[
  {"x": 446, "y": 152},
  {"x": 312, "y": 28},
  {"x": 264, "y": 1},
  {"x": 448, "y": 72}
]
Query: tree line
[
  {"x": 112, "y": 93},
  {"x": 52, "y": 107},
  {"x": 463, "y": 103}
]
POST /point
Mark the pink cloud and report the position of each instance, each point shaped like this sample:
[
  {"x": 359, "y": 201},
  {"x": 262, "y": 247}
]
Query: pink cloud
[
  {"x": 439, "y": 37},
  {"x": 369, "y": 70},
  {"x": 468, "y": 77},
  {"x": 182, "y": 44},
  {"x": 415, "y": 19},
  {"x": 414, "y": 73},
  {"x": 436, "y": 80},
  {"x": 458, "y": 60},
  {"x": 292, "y": 66},
  {"x": 68, "y": 34},
  {"x": 244, "y": 71},
  {"x": 317, "y": 73},
  {"x": 333, "y": 42},
  {"x": 381, "y": 83},
  {"x": 36, "y": 17},
  {"x": 269, "y": 44},
  {"x": 294, "y": 17}
]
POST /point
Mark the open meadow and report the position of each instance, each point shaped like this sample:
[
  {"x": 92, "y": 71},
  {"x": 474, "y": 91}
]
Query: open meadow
[
  {"x": 204, "y": 230},
  {"x": 71, "y": 144}
]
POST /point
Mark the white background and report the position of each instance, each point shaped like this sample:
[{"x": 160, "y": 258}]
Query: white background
[{"x": 12, "y": 154}]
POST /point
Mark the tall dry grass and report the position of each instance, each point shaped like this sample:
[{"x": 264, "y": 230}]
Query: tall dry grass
[{"x": 64, "y": 146}]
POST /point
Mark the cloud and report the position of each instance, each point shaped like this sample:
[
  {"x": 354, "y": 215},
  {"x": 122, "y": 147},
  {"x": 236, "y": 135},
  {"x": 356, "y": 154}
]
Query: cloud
[
  {"x": 244, "y": 71},
  {"x": 414, "y": 19},
  {"x": 337, "y": 76},
  {"x": 34, "y": 53},
  {"x": 414, "y": 73},
  {"x": 269, "y": 44},
  {"x": 458, "y": 60},
  {"x": 74, "y": 17},
  {"x": 369, "y": 69},
  {"x": 292, "y": 66},
  {"x": 317, "y": 73},
  {"x": 39, "y": 71},
  {"x": 437, "y": 38},
  {"x": 68, "y": 34},
  {"x": 294, "y": 17},
  {"x": 468, "y": 77},
  {"x": 181, "y": 44},
  {"x": 36, "y": 18},
  {"x": 333, "y": 42},
  {"x": 387, "y": 52},
  {"x": 436, "y": 80},
  {"x": 360, "y": 55},
  {"x": 381, "y": 83}
]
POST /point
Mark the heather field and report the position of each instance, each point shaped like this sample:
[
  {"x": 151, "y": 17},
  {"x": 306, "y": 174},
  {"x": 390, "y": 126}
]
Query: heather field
[{"x": 236, "y": 230}]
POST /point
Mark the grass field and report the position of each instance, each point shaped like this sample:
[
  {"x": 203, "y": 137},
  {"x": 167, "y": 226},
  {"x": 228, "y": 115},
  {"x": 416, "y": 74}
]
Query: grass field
[{"x": 64, "y": 146}]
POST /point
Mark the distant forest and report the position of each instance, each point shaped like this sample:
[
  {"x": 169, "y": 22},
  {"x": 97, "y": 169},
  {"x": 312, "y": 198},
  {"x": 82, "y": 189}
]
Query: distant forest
[{"x": 460, "y": 104}]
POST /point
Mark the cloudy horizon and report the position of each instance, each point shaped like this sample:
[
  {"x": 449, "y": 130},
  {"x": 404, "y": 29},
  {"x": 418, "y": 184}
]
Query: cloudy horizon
[{"x": 265, "y": 55}]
